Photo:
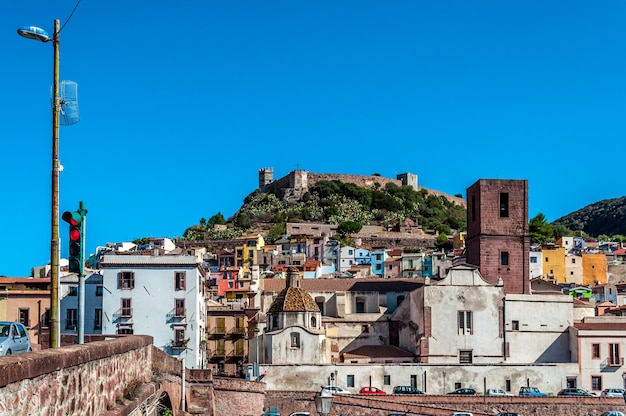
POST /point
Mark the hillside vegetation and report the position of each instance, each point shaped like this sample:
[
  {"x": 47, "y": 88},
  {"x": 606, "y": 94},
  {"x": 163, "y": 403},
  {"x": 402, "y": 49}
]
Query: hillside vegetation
[
  {"x": 605, "y": 220},
  {"x": 338, "y": 203}
]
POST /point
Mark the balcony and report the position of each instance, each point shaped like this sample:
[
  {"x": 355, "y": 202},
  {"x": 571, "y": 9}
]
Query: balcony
[
  {"x": 179, "y": 344},
  {"x": 177, "y": 314},
  {"x": 123, "y": 313}
]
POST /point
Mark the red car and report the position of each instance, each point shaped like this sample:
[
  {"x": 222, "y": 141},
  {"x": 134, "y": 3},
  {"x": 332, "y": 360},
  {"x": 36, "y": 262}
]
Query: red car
[{"x": 371, "y": 390}]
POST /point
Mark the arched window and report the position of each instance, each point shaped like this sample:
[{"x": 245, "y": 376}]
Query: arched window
[
  {"x": 295, "y": 340},
  {"x": 313, "y": 322}
]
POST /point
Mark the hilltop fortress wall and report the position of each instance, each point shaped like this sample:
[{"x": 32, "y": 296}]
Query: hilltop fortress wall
[{"x": 298, "y": 182}]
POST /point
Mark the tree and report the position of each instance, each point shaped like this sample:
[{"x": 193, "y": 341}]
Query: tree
[
  {"x": 349, "y": 227},
  {"x": 540, "y": 230},
  {"x": 216, "y": 219}
]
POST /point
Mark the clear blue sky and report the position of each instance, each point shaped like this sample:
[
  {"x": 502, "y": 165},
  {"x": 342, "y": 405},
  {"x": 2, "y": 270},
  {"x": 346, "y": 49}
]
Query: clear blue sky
[{"x": 182, "y": 102}]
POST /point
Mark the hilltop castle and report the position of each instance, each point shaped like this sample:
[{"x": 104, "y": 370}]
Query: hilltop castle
[{"x": 298, "y": 182}]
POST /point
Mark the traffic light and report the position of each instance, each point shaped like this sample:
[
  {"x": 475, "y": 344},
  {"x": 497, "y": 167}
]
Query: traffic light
[{"x": 75, "y": 220}]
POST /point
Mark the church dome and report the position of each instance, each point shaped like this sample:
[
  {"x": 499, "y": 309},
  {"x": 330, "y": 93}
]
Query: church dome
[{"x": 294, "y": 299}]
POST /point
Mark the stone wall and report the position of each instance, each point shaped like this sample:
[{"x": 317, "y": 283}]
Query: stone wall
[
  {"x": 361, "y": 405},
  {"x": 88, "y": 379}
]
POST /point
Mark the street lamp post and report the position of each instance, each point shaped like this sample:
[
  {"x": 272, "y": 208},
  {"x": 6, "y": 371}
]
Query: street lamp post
[
  {"x": 39, "y": 34},
  {"x": 256, "y": 371}
]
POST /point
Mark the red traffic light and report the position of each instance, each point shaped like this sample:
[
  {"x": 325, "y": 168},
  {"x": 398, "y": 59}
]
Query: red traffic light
[{"x": 73, "y": 218}]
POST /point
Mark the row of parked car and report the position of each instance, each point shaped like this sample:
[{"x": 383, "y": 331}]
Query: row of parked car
[{"x": 524, "y": 391}]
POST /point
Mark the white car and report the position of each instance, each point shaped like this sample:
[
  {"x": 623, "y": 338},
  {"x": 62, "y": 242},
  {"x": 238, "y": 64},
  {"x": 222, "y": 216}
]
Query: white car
[
  {"x": 14, "y": 338},
  {"x": 497, "y": 392},
  {"x": 335, "y": 390},
  {"x": 612, "y": 392},
  {"x": 461, "y": 414}
]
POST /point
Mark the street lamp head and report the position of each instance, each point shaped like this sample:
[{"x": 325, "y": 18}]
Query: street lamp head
[{"x": 34, "y": 32}]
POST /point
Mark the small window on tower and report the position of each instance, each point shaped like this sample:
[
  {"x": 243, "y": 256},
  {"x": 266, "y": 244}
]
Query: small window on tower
[{"x": 504, "y": 204}]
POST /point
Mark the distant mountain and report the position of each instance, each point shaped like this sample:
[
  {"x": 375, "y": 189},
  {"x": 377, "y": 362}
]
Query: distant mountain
[{"x": 606, "y": 217}]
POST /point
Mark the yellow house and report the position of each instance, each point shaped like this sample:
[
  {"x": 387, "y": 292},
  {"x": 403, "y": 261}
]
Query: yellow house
[
  {"x": 554, "y": 263},
  {"x": 246, "y": 255},
  {"x": 594, "y": 269}
]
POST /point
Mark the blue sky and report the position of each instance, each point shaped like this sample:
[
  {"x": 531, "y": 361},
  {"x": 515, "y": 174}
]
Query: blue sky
[{"x": 183, "y": 102}]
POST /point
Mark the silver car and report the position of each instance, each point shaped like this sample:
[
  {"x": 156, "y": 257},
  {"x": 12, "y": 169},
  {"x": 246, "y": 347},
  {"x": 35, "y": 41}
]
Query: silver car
[{"x": 14, "y": 338}]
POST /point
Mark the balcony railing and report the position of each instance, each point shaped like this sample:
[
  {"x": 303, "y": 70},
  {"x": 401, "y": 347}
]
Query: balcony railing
[
  {"x": 177, "y": 314},
  {"x": 123, "y": 313}
]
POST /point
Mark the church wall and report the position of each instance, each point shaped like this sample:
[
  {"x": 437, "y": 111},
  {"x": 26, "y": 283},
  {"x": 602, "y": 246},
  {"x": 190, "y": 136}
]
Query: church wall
[
  {"x": 308, "y": 349},
  {"x": 543, "y": 323}
]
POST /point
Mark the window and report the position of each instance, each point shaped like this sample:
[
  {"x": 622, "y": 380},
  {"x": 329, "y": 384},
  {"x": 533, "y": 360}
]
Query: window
[
  {"x": 220, "y": 324},
  {"x": 239, "y": 350},
  {"x": 97, "y": 320},
  {"x": 379, "y": 266},
  {"x": 533, "y": 259},
  {"x": 614, "y": 358},
  {"x": 571, "y": 382},
  {"x": 73, "y": 291},
  {"x": 573, "y": 260},
  {"x": 71, "y": 319},
  {"x": 410, "y": 264},
  {"x": 507, "y": 385},
  {"x": 515, "y": 325},
  {"x": 350, "y": 380},
  {"x": 360, "y": 305},
  {"x": 313, "y": 322},
  {"x": 504, "y": 258},
  {"x": 126, "y": 280},
  {"x": 413, "y": 380},
  {"x": 378, "y": 257},
  {"x": 126, "y": 306},
  {"x": 221, "y": 347},
  {"x": 125, "y": 329},
  {"x": 295, "y": 340},
  {"x": 365, "y": 329},
  {"x": 24, "y": 318},
  {"x": 45, "y": 319},
  {"x": 465, "y": 322},
  {"x": 399, "y": 299},
  {"x": 596, "y": 382},
  {"x": 179, "y": 307},
  {"x": 179, "y": 338},
  {"x": 387, "y": 380},
  {"x": 465, "y": 357},
  {"x": 180, "y": 280},
  {"x": 98, "y": 290},
  {"x": 504, "y": 204}
]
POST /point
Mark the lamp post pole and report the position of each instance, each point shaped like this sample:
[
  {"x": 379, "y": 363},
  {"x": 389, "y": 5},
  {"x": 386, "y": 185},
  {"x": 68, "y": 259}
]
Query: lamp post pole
[
  {"x": 33, "y": 32},
  {"x": 54, "y": 243},
  {"x": 258, "y": 362}
]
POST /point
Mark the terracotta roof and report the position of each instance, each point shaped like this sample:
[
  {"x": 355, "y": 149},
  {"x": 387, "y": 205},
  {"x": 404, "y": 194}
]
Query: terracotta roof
[
  {"x": 377, "y": 351},
  {"x": 600, "y": 326},
  {"x": 294, "y": 299},
  {"x": 344, "y": 285}
]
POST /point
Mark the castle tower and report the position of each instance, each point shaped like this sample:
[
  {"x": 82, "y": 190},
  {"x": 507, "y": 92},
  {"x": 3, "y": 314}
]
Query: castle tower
[
  {"x": 498, "y": 240},
  {"x": 408, "y": 179},
  {"x": 266, "y": 176}
]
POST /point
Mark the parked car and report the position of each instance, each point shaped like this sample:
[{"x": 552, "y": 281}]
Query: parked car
[
  {"x": 465, "y": 391},
  {"x": 335, "y": 390},
  {"x": 461, "y": 414},
  {"x": 612, "y": 413},
  {"x": 300, "y": 414},
  {"x": 612, "y": 392},
  {"x": 371, "y": 390},
  {"x": 14, "y": 338},
  {"x": 575, "y": 392},
  {"x": 406, "y": 390},
  {"x": 270, "y": 414},
  {"x": 532, "y": 391},
  {"x": 497, "y": 392},
  {"x": 509, "y": 414}
]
